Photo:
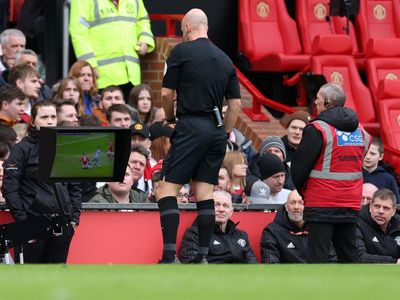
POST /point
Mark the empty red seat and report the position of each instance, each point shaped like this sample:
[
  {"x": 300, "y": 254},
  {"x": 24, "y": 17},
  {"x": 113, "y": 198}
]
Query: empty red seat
[
  {"x": 388, "y": 94},
  {"x": 268, "y": 36},
  {"x": 311, "y": 18},
  {"x": 331, "y": 57},
  {"x": 382, "y": 62},
  {"x": 377, "y": 19}
]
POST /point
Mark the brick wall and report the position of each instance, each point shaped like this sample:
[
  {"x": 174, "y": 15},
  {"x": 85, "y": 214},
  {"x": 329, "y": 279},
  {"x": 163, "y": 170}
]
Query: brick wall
[{"x": 152, "y": 74}]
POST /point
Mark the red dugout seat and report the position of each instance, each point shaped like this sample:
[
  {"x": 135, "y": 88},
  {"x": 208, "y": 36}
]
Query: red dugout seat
[
  {"x": 388, "y": 94},
  {"x": 311, "y": 18},
  {"x": 382, "y": 62},
  {"x": 268, "y": 36},
  {"x": 331, "y": 57},
  {"x": 377, "y": 19}
]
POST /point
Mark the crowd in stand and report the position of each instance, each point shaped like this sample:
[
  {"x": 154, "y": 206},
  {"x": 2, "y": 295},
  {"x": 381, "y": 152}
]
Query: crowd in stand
[{"x": 87, "y": 97}]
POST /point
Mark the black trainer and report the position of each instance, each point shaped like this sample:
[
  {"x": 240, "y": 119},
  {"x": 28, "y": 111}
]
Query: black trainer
[{"x": 174, "y": 261}]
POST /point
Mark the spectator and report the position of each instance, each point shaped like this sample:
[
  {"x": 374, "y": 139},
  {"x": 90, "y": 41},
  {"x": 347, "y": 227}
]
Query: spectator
[
  {"x": 119, "y": 115},
  {"x": 273, "y": 174},
  {"x": 137, "y": 162},
  {"x": 70, "y": 88},
  {"x": 274, "y": 145},
  {"x": 368, "y": 191},
  {"x": 327, "y": 172},
  {"x": 285, "y": 239},
  {"x": 140, "y": 98},
  {"x": 294, "y": 124},
  {"x": 109, "y": 96},
  {"x": 87, "y": 78},
  {"x": 235, "y": 163},
  {"x": 260, "y": 193},
  {"x": 12, "y": 105},
  {"x": 7, "y": 135},
  {"x": 119, "y": 192},
  {"x": 12, "y": 41},
  {"x": 374, "y": 173},
  {"x": 111, "y": 38},
  {"x": 140, "y": 134},
  {"x": 378, "y": 230},
  {"x": 66, "y": 111},
  {"x": 224, "y": 181},
  {"x": 89, "y": 120},
  {"x": 183, "y": 194},
  {"x": 227, "y": 245}
]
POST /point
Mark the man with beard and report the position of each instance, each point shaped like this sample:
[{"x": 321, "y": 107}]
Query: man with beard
[{"x": 285, "y": 239}]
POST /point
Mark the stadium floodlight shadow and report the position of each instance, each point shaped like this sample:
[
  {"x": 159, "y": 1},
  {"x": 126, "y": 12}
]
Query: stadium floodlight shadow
[{"x": 69, "y": 154}]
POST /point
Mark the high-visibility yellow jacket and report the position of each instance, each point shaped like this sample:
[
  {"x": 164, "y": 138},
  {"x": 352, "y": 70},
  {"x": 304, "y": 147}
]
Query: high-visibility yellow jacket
[{"x": 106, "y": 37}]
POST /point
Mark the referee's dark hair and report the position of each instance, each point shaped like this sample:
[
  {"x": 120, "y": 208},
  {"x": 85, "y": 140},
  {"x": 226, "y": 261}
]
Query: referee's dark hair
[{"x": 139, "y": 148}]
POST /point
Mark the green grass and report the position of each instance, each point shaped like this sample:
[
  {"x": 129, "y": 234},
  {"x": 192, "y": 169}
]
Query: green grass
[
  {"x": 199, "y": 282},
  {"x": 71, "y": 147}
]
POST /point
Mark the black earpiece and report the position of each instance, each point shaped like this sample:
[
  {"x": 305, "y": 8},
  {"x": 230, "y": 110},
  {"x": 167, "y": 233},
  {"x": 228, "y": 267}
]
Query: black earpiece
[{"x": 326, "y": 102}]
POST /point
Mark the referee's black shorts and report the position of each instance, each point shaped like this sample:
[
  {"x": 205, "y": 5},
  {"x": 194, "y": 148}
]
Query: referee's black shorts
[{"x": 197, "y": 151}]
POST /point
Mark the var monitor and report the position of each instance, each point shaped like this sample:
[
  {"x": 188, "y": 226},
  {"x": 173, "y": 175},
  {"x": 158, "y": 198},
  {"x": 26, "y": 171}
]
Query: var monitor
[{"x": 83, "y": 153}]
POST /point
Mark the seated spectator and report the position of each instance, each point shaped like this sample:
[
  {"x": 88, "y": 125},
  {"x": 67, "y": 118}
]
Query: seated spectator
[
  {"x": 21, "y": 129},
  {"x": 87, "y": 78},
  {"x": 119, "y": 115},
  {"x": 66, "y": 111},
  {"x": 119, "y": 192},
  {"x": 376, "y": 174},
  {"x": 235, "y": 163},
  {"x": 227, "y": 244},
  {"x": 70, "y": 88},
  {"x": 294, "y": 124},
  {"x": 260, "y": 193},
  {"x": 183, "y": 194},
  {"x": 137, "y": 162},
  {"x": 109, "y": 96},
  {"x": 224, "y": 181},
  {"x": 368, "y": 191},
  {"x": 140, "y": 99},
  {"x": 12, "y": 105},
  {"x": 12, "y": 41},
  {"x": 140, "y": 134},
  {"x": 274, "y": 145},
  {"x": 272, "y": 171},
  {"x": 285, "y": 239},
  {"x": 378, "y": 230}
]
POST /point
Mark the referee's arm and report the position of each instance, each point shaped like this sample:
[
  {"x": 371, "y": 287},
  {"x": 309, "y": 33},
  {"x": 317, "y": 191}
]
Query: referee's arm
[
  {"x": 231, "y": 114},
  {"x": 167, "y": 102}
]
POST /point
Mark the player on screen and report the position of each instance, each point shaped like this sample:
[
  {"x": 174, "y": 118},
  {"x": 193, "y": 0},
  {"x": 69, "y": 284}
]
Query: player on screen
[
  {"x": 85, "y": 161},
  {"x": 95, "y": 159},
  {"x": 110, "y": 150}
]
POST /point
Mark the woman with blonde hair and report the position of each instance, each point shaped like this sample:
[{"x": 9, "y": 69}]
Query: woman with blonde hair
[
  {"x": 87, "y": 78},
  {"x": 235, "y": 163},
  {"x": 140, "y": 98},
  {"x": 70, "y": 88}
]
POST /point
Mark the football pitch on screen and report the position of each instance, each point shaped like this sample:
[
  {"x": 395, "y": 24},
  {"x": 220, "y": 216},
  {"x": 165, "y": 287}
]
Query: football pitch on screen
[
  {"x": 70, "y": 149},
  {"x": 204, "y": 282}
]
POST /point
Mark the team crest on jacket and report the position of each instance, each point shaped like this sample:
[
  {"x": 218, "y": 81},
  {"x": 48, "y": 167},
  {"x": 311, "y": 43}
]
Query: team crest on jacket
[
  {"x": 349, "y": 138},
  {"x": 397, "y": 239},
  {"x": 242, "y": 243}
]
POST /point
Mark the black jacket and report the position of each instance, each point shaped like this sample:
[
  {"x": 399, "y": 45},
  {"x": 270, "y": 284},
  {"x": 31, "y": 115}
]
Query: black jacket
[
  {"x": 382, "y": 179},
  {"x": 26, "y": 195},
  {"x": 306, "y": 155},
  {"x": 289, "y": 149},
  {"x": 230, "y": 247},
  {"x": 375, "y": 246},
  {"x": 282, "y": 241}
]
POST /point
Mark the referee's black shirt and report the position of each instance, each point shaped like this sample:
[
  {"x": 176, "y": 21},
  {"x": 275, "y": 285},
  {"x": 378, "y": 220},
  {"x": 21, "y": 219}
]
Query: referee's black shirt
[{"x": 202, "y": 75}]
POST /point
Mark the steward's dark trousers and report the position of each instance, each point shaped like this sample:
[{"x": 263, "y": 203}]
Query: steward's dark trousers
[
  {"x": 51, "y": 250},
  {"x": 342, "y": 236}
]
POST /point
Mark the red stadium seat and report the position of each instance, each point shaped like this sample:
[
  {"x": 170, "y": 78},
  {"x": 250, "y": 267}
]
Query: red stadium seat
[
  {"x": 331, "y": 57},
  {"x": 382, "y": 62},
  {"x": 377, "y": 19},
  {"x": 388, "y": 94},
  {"x": 268, "y": 36},
  {"x": 311, "y": 18}
]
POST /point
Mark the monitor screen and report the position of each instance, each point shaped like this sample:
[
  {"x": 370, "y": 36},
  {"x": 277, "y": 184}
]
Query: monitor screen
[{"x": 83, "y": 153}]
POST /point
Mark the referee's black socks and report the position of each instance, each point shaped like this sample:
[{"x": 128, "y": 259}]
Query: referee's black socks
[
  {"x": 205, "y": 223},
  {"x": 169, "y": 216}
]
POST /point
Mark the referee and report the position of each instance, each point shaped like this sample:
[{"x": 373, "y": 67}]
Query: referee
[{"x": 201, "y": 75}]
